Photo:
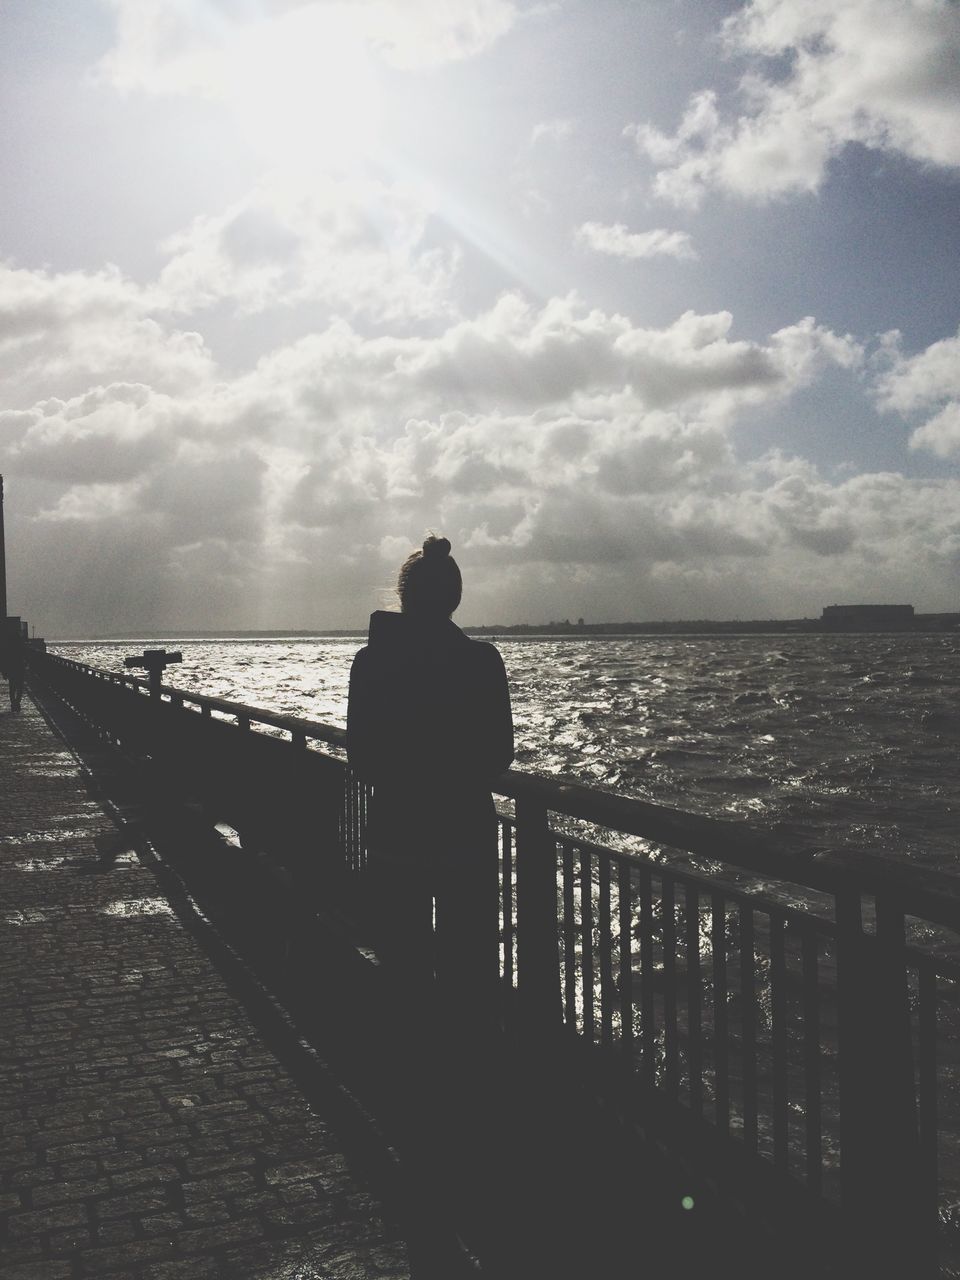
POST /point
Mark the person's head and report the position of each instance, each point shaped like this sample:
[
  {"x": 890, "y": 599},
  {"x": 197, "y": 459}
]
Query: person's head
[{"x": 429, "y": 584}]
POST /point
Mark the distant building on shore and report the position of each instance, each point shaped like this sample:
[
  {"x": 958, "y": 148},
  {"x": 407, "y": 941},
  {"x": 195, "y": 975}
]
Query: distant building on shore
[{"x": 867, "y": 617}]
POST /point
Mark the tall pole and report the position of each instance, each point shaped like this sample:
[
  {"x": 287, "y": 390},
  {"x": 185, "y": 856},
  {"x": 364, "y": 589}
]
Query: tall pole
[{"x": 3, "y": 567}]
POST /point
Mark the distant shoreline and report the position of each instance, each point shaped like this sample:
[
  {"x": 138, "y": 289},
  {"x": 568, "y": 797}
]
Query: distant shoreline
[{"x": 922, "y": 622}]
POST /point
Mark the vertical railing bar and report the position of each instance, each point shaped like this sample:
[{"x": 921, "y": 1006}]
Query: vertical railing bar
[
  {"x": 748, "y": 1000},
  {"x": 778, "y": 1006},
  {"x": 927, "y": 1052},
  {"x": 364, "y": 804},
  {"x": 694, "y": 1029},
  {"x": 507, "y": 901},
  {"x": 586, "y": 943},
  {"x": 811, "y": 1062},
  {"x": 625, "y": 905},
  {"x": 648, "y": 1031},
  {"x": 356, "y": 823},
  {"x": 904, "y": 1188},
  {"x": 347, "y": 825},
  {"x": 851, "y": 1034},
  {"x": 720, "y": 1041},
  {"x": 606, "y": 950},
  {"x": 569, "y": 938},
  {"x": 668, "y": 925},
  {"x": 538, "y": 963}
]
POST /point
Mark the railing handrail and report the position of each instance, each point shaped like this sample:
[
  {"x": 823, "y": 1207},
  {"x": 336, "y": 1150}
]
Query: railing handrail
[{"x": 930, "y": 895}]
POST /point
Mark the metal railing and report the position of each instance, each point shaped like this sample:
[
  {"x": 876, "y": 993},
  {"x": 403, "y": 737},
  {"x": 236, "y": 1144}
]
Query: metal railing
[{"x": 787, "y": 1023}]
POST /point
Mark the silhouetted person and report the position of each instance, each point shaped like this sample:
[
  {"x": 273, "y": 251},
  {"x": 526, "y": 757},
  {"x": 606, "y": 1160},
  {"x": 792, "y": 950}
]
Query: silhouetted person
[
  {"x": 429, "y": 726},
  {"x": 14, "y": 662}
]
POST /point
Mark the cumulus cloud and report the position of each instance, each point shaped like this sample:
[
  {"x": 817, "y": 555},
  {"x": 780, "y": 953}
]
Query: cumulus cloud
[
  {"x": 109, "y": 434},
  {"x": 353, "y": 244},
  {"x": 941, "y": 434},
  {"x": 910, "y": 385},
  {"x": 66, "y": 329},
  {"x": 558, "y": 130},
  {"x": 173, "y": 47},
  {"x": 618, "y": 242},
  {"x": 537, "y": 437},
  {"x": 882, "y": 73},
  {"x": 515, "y": 357},
  {"x": 414, "y": 34}
]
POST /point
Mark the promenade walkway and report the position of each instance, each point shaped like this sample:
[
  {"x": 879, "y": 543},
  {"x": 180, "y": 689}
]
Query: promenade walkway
[{"x": 146, "y": 1128}]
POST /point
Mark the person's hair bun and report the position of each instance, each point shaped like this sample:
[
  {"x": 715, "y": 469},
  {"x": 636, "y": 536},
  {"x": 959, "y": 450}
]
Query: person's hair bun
[
  {"x": 429, "y": 581},
  {"x": 436, "y": 548}
]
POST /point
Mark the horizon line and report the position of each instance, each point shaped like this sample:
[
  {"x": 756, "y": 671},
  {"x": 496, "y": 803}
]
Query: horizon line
[{"x": 555, "y": 625}]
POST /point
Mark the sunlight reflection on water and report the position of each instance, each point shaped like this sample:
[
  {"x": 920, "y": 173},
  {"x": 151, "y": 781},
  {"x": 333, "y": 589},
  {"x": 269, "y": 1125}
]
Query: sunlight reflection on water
[{"x": 825, "y": 739}]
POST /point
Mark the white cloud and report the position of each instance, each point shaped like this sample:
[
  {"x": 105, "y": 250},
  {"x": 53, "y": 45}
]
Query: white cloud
[
  {"x": 916, "y": 382},
  {"x": 415, "y": 34},
  {"x": 517, "y": 358},
  {"x": 941, "y": 434},
  {"x": 878, "y": 72},
  {"x": 176, "y": 47},
  {"x": 109, "y": 435},
  {"x": 618, "y": 242},
  {"x": 62, "y": 331},
  {"x": 556, "y": 131},
  {"x": 535, "y": 437},
  {"x": 909, "y": 385},
  {"x": 353, "y": 244}
]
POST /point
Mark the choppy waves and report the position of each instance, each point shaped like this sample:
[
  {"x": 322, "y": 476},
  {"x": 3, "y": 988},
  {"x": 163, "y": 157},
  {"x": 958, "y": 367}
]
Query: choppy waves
[{"x": 828, "y": 739}]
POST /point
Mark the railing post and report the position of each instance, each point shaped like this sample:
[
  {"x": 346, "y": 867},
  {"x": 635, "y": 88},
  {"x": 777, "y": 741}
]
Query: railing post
[
  {"x": 538, "y": 967},
  {"x": 880, "y": 1168}
]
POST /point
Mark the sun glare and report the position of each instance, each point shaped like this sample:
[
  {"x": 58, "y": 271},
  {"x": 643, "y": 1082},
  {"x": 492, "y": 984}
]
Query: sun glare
[{"x": 303, "y": 89}]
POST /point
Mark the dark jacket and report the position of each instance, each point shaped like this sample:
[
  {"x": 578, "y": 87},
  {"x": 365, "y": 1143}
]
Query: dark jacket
[
  {"x": 428, "y": 725},
  {"x": 12, "y": 656}
]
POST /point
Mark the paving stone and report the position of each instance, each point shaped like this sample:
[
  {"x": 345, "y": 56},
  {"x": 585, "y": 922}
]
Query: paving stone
[
  {"x": 115, "y": 1232},
  {"x": 38, "y": 1271},
  {"x": 77, "y": 1171},
  {"x": 190, "y": 1269},
  {"x": 222, "y": 1184},
  {"x": 208, "y": 1212},
  {"x": 297, "y": 1170},
  {"x": 124, "y": 1160},
  {"x": 70, "y": 1241},
  {"x": 65, "y": 1191},
  {"x": 162, "y": 1224},
  {"x": 298, "y": 1214},
  {"x": 137, "y": 1202},
  {"x": 96, "y": 1261},
  {"x": 220, "y": 1164},
  {"x": 143, "y": 1175},
  {"x": 41, "y": 1221},
  {"x": 210, "y": 1237}
]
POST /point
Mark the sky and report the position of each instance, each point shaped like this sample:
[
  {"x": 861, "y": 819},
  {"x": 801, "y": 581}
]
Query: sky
[{"x": 650, "y": 306}]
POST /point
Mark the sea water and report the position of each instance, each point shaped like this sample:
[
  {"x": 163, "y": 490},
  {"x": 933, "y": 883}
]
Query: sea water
[{"x": 829, "y": 741}]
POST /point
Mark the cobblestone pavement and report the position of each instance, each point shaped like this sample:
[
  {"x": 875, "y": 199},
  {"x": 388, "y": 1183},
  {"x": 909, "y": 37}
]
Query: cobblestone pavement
[{"x": 146, "y": 1130}]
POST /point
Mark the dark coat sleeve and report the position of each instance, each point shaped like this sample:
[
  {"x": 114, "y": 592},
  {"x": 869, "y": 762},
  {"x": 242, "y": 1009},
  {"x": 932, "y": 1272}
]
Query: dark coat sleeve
[
  {"x": 494, "y": 717},
  {"x": 361, "y": 733}
]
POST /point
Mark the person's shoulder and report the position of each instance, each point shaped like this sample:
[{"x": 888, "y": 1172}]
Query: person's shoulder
[
  {"x": 485, "y": 653},
  {"x": 361, "y": 658}
]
